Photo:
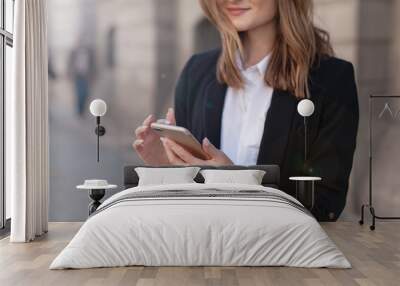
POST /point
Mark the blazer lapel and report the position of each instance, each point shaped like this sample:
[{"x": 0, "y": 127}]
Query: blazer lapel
[
  {"x": 214, "y": 104},
  {"x": 277, "y": 127}
]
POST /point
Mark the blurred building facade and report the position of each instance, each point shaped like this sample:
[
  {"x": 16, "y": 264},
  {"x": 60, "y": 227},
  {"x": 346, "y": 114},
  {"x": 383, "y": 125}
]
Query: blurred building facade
[{"x": 140, "y": 48}]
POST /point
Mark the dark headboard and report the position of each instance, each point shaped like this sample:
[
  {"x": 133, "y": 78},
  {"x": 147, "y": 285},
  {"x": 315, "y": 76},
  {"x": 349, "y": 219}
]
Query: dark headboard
[{"x": 271, "y": 177}]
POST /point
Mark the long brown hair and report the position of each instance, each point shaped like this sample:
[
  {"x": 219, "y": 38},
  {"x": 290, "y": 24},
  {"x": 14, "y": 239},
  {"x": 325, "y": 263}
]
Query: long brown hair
[{"x": 299, "y": 45}]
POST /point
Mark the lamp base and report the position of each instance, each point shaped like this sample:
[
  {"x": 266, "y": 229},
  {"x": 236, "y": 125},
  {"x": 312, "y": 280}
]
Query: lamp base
[
  {"x": 96, "y": 195},
  {"x": 305, "y": 190},
  {"x": 305, "y": 193}
]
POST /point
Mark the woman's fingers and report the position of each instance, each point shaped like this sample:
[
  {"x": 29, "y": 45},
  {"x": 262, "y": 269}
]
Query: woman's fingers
[
  {"x": 172, "y": 157},
  {"x": 144, "y": 131},
  {"x": 140, "y": 132},
  {"x": 217, "y": 156},
  {"x": 181, "y": 152},
  {"x": 149, "y": 119},
  {"x": 178, "y": 155},
  {"x": 138, "y": 145},
  {"x": 210, "y": 149},
  {"x": 170, "y": 117}
]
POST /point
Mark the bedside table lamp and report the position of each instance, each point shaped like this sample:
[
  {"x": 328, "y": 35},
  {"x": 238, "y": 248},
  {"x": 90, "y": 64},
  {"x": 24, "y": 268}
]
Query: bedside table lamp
[
  {"x": 98, "y": 108},
  {"x": 305, "y": 185}
]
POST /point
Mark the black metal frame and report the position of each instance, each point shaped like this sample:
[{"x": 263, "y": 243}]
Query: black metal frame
[
  {"x": 6, "y": 39},
  {"x": 370, "y": 203},
  {"x": 100, "y": 131}
]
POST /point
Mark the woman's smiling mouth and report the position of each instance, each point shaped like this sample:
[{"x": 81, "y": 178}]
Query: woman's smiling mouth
[{"x": 236, "y": 11}]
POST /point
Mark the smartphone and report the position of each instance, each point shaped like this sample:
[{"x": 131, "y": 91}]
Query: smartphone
[{"x": 183, "y": 137}]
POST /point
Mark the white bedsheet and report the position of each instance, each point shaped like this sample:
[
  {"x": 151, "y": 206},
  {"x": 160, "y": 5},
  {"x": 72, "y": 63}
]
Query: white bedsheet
[{"x": 200, "y": 231}]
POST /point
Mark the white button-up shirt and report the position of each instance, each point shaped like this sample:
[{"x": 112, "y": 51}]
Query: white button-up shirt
[{"x": 244, "y": 114}]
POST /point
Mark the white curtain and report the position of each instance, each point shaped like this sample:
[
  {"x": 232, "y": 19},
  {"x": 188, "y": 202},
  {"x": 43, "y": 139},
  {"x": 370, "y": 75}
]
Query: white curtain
[{"x": 27, "y": 123}]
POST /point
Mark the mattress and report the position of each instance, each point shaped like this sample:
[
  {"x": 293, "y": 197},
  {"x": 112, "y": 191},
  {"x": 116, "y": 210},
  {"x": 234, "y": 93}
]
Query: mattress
[{"x": 201, "y": 225}]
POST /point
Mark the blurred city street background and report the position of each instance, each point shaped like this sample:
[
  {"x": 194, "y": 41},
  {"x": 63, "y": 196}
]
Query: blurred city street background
[{"x": 130, "y": 53}]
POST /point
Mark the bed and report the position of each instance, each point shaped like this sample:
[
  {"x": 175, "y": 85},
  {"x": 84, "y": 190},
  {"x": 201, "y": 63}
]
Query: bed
[{"x": 198, "y": 224}]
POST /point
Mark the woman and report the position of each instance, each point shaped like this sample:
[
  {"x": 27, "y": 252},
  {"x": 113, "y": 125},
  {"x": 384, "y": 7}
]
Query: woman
[{"x": 241, "y": 100}]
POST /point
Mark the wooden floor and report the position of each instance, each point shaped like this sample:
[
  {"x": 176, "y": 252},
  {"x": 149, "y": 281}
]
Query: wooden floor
[{"x": 375, "y": 257}]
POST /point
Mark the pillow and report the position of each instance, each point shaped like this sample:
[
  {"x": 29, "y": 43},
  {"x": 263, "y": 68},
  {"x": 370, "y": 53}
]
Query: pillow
[
  {"x": 248, "y": 177},
  {"x": 163, "y": 176}
]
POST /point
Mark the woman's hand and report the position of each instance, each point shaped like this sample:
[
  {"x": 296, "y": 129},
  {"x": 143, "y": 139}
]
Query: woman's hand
[
  {"x": 177, "y": 155},
  {"x": 148, "y": 144}
]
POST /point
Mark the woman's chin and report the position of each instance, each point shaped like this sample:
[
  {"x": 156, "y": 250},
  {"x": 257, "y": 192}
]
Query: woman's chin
[
  {"x": 241, "y": 28},
  {"x": 242, "y": 25}
]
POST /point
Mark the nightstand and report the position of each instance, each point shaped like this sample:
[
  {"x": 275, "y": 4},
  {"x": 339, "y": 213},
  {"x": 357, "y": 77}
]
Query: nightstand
[
  {"x": 305, "y": 190},
  {"x": 96, "y": 189}
]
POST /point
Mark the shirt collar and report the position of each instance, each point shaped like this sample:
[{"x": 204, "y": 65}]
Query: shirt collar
[{"x": 261, "y": 66}]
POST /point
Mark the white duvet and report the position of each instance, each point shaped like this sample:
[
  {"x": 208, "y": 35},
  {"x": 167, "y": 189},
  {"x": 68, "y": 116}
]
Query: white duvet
[{"x": 200, "y": 231}]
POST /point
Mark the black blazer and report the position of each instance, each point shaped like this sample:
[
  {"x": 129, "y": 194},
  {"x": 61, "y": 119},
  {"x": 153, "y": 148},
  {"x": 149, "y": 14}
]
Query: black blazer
[{"x": 332, "y": 129}]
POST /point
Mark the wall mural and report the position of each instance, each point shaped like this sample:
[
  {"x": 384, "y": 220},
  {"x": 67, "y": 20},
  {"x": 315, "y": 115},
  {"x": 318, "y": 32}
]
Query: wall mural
[{"x": 385, "y": 116}]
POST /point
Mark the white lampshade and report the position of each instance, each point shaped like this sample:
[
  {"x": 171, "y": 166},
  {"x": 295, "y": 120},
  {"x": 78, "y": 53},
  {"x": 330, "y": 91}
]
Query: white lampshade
[
  {"x": 305, "y": 108},
  {"x": 98, "y": 107}
]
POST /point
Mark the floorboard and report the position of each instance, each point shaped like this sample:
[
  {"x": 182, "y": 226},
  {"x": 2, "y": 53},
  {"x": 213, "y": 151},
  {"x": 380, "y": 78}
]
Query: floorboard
[{"x": 375, "y": 257}]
